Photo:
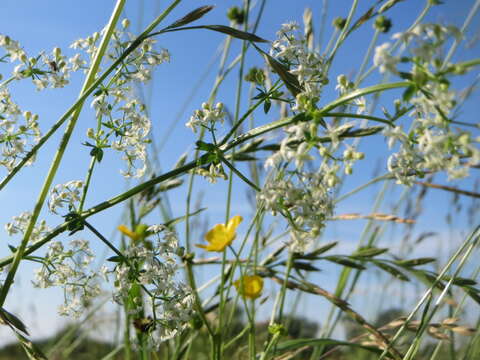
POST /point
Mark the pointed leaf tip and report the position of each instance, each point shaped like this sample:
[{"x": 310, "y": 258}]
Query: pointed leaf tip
[{"x": 191, "y": 16}]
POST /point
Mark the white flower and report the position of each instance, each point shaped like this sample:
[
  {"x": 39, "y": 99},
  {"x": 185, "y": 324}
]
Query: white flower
[
  {"x": 208, "y": 116},
  {"x": 384, "y": 59},
  {"x": 65, "y": 194}
]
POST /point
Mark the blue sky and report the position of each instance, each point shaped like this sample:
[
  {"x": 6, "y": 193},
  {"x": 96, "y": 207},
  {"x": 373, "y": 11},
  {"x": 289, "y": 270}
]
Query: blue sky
[{"x": 43, "y": 25}]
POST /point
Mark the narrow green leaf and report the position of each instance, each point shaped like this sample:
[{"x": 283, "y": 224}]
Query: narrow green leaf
[
  {"x": 369, "y": 252},
  {"x": 182, "y": 218},
  {"x": 391, "y": 270},
  {"x": 362, "y": 132},
  {"x": 459, "y": 281},
  {"x": 32, "y": 351},
  {"x": 300, "y": 265},
  {"x": 315, "y": 253},
  {"x": 244, "y": 157},
  {"x": 172, "y": 184},
  {"x": 116, "y": 258},
  {"x": 473, "y": 293},
  {"x": 408, "y": 93},
  {"x": 242, "y": 35},
  {"x": 297, "y": 343},
  {"x": 191, "y": 17},
  {"x": 266, "y": 106},
  {"x": 9, "y": 318},
  {"x": 414, "y": 262},
  {"x": 344, "y": 261},
  {"x": 287, "y": 77}
]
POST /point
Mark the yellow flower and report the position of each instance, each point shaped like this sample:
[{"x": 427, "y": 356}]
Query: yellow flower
[
  {"x": 134, "y": 235},
  {"x": 221, "y": 235},
  {"x": 252, "y": 286}
]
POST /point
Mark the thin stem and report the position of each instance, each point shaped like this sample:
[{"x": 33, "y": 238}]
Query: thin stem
[
  {"x": 343, "y": 34},
  {"x": 471, "y": 240},
  {"x": 457, "y": 41},
  {"x": 426, "y": 321},
  {"x": 105, "y": 240},
  {"x": 93, "y": 160},
  {"x": 417, "y": 21},
  {"x": 367, "y": 56},
  {"x": 60, "y": 151},
  {"x": 86, "y": 93}
]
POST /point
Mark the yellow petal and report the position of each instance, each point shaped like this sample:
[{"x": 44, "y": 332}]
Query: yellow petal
[
  {"x": 221, "y": 235},
  {"x": 126, "y": 231},
  {"x": 252, "y": 286},
  {"x": 234, "y": 222}
]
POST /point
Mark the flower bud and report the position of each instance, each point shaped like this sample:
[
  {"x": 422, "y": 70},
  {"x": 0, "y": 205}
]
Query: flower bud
[
  {"x": 236, "y": 15},
  {"x": 339, "y": 23},
  {"x": 57, "y": 52},
  {"x": 348, "y": 169},
  {"x": 382, "y": 24},
  {"x": 125, "y": 23},
  {"x": 359, "y": 156}
]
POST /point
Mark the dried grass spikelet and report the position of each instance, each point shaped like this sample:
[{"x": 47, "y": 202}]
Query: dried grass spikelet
[
  {"x": 464, "y": 330},
  {"x": 435, "y": 330},
  {"x": 374, "y": 216}
]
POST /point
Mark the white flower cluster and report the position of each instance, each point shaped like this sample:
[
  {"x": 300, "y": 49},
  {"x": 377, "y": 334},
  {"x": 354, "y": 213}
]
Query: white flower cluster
[
  {"x": 135, "y": 126},
  {"x": 155, "y": 267},
  {"x": 19, "y": 225},
  {"x": 139, "y": 65},
  {"x": 424, "y": 42},
  {"x": 126, "y": 132},
  {"x": 206, "y": 117},
  {"x": 45, "y": 70},
  {"x": 18, "y": 131},
  {"x": 308, "y": 66},
  {"x": 304, "y": 197},
  {"x": 68, "y": 268},
  {"x": 432, "y": 143},
  {"x": 213, "y": 173},
  {"x": 13, "y": 49},
  {"x": 384, "y": 60},
  {"x": 306, "y": 203},
  {"x": 344, "y": 86},
  {"x": 127, "y": 118},
  {"x": 68, "y": 194}
]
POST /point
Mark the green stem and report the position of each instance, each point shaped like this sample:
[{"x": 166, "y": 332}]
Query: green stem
[
  {"x": 284, "y": 286},
  {"x": 219, "y": 336},
  {"x": 93, "y": 160},
  {"x": 398, "y": 42},
  {"x": 343, "y": 34},
  {"x": 469, "y": 243},
  {"x": 359, "y": 116},
  {"x": 86, "y": 93},
  {"x": 457, "y": 41},
  {"x": 271, "y": 344},
  {"x": 252, "y": 108},
  {"x": 239, "y": 174},
  {"x": 367, "y": 57},
  {"x": 189, "y": 166},
  {"x": 60, "y": 151},
  {"x": 426, "y": 321},
  {"x": 6, "y": 82}
]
